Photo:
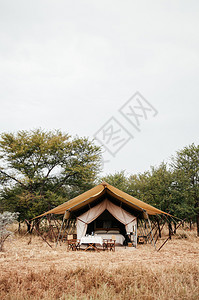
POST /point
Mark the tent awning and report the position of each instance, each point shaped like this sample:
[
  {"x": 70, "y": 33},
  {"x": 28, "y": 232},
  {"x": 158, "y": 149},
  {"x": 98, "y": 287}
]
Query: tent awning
[{"x": 96, "y": 192}]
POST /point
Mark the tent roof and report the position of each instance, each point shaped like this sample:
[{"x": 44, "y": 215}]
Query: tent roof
[{"x": 96, "y": 192}]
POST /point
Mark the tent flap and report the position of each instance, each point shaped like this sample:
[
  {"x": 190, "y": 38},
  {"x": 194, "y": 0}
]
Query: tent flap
[{"x": 89, "y": 216}]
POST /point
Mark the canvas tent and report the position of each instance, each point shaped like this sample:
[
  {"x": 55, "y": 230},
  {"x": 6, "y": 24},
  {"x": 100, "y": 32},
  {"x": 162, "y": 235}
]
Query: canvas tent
[
  {"x": 89, "y": 206},
  {"x": 100, "y": 191}
]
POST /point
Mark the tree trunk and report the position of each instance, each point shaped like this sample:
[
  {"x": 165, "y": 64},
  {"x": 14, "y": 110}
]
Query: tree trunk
[
  {"x": 197, "y": 223},
  {"x": 170, "y": 230},
  {"x": 159, "y": 230},
  {"x": 190, "y": 225},
  {"x": 197, "y": 215},
  {"x": 174, "y": 227}
]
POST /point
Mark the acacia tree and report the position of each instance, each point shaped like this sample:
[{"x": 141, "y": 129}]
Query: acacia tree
[
  {"x": 41, "y": 169},
  {"x": 185, "y": 166},
  {"x": 153, "y": 186}
]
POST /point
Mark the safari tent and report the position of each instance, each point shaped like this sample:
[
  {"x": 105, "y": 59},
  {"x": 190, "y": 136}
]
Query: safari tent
[{"x": 106, "y": 210}]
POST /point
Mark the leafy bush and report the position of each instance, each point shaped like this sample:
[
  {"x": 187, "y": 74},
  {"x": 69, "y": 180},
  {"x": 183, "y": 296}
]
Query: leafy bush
[{"x": 6, "y": 218}]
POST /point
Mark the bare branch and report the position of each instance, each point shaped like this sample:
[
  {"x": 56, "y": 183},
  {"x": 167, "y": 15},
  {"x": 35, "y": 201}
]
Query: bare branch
[{"x": 13, "y": 178}]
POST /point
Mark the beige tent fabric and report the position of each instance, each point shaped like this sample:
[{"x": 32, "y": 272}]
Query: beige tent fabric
[
  {"x": 89, "y": 216},
  {"x": 96, "y": 192},
  {"x": 119, "y": 213}
]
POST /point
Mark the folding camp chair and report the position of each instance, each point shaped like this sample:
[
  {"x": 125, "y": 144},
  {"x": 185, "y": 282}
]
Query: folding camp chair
[
  {"x": 73, "y": 244},
  {"x": 112, "y": 243},
  {"x": 105, "y": 244}
]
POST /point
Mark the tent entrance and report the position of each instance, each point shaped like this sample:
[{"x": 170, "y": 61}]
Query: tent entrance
[
  {"x": 106, "y": 221},
  {"x": 108, "y": 217}
]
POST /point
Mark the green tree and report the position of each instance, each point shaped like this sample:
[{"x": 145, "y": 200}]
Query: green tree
[
  {"x": 153, "y": 187},
  {"x": 118, "y": 180},
  {"x": 185, "y": 167},
  {"x": 41, "y": 169}
]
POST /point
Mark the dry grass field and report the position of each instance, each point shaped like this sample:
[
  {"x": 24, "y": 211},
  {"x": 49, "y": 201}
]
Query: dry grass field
[{"x": 35, "y": 271}]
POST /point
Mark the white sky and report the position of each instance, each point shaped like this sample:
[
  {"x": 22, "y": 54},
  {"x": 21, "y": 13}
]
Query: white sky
[{"x": 71, "y": 65}]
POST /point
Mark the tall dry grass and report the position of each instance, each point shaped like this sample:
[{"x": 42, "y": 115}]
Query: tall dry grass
[
  {"x": 32, "y": 270},
  {"x": 132, "y": 282}
]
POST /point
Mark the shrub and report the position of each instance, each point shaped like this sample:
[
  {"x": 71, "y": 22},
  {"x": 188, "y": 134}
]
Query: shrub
[{"x": 6, "y": 218}]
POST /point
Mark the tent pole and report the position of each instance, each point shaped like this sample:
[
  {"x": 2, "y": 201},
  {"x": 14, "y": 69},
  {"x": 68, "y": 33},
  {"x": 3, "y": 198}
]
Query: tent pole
[
  {"x": 151, "y": 229},
  {"x": 49, "y": 218},
  {"x": 67, "y": 228},
  {"x": 73, "y": 225},
  {"x": 41, "y": 236},
  {"x": 55, "y": 222},
  {"x": 156, "y": 225},
  {"x": 64, "y": 230},
  {"x": 158, "y": 231},
  {"x": 70, "y": 227},
  {"x": 144, "y": 233},
  {"x": 60, "y": 229},
  {"x": 147, "y": 232},
  {"x": 136, "y": 234},
  {"x": 177, "y": 224},
  {"x": 140, "y": 226},
  {"x": 164, "y": 222},
  {"x": 169, "y": 235}
]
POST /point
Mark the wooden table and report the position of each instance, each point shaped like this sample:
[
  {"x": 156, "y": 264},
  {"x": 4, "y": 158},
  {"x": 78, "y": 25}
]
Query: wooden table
[{"x": 91, "y": 241}]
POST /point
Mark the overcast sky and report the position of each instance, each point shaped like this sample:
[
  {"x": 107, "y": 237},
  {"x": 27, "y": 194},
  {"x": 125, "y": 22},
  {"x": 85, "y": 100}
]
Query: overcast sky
[{"x": 73, "y": 65}]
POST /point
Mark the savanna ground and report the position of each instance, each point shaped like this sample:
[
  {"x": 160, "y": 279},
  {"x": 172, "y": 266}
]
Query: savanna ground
[{"x": 35, "y": 271}]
